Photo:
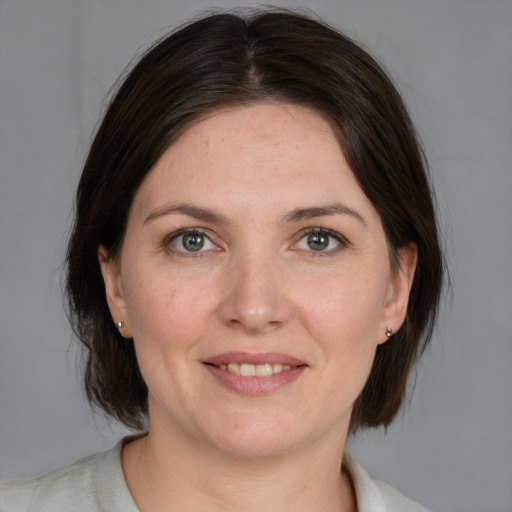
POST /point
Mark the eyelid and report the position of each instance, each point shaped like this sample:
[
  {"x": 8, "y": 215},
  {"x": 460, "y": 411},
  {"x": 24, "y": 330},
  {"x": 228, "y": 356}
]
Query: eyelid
[
  {"x": 342, "y": 240},
  {"x": 167, "y": 241}
]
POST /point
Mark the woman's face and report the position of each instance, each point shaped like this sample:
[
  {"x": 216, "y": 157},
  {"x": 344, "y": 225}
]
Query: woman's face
[{"x": 255, "y": 281}]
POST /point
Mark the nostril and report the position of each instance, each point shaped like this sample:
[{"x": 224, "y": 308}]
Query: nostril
[{"x": 254, "y": 302}]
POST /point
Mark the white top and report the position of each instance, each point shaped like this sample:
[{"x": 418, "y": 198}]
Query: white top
[{"x": 96, "y": 484}]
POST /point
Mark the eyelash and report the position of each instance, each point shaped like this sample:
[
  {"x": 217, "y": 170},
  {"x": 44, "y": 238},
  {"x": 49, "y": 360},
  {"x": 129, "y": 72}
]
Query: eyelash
[
  {"x": 168, "y": 240},
  {"x": 338, "y": 237}
]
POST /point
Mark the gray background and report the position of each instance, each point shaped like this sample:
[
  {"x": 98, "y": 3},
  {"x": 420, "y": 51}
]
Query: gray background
[{"x": 452, "y": 449}]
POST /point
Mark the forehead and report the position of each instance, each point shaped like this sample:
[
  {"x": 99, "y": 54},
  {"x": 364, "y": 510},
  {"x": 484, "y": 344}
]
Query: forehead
[
  {"x": 253, "y": 153},
  {"x": 278, "y": 130}
]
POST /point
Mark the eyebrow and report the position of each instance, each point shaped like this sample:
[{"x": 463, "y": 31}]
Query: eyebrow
[
  {"x": 320, "y": 211},
  {"x": 195, "y": 212},
  {"x": 308, "y": 212}
]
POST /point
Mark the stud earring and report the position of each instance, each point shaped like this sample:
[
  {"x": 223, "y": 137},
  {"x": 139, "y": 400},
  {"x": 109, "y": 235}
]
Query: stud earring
[
  {"x": 389, "y": 332},
  {"x": 119, "y": 325}
]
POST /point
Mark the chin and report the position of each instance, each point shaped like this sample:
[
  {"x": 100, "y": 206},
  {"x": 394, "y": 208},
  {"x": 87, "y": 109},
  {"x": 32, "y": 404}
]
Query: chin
[
  {"x": 261, "y": 436},
  {"x": 257, "y": 445}
]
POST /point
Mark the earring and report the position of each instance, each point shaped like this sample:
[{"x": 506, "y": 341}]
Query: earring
[
  {"x": 389, "y": 332},
  {"x": 119, "y": 325}
]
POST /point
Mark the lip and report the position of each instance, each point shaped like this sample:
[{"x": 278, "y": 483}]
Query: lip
[
  {"x": 254, "y": 386},
  {"x": 254, "y": 358}
]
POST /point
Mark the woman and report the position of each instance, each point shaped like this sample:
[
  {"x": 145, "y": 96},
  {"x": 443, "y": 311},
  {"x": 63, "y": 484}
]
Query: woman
[{"x": 254, "y": 269}]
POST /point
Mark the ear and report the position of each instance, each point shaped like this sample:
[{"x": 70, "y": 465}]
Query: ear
[
  {"x": 397, "y": 298},
  {"x": 114, "y": 290}
]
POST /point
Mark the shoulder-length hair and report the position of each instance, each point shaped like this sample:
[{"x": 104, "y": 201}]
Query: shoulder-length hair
[{"x": 229, "y": 59}]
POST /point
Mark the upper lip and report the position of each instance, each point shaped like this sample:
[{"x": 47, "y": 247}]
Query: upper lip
[{"x": 254, "y": 358}]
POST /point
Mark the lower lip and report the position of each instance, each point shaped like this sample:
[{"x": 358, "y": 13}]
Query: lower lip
[{"x": 255, "y": 386}]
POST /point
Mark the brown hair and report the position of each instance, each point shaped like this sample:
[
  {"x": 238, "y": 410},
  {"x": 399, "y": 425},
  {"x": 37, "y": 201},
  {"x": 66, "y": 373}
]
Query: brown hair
[{"x": 230, "y": 59}]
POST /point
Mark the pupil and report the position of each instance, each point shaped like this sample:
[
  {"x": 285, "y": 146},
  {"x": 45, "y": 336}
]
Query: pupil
[
  {"x": 317, "y": 241},
  {"x": 193, "y": 242}
]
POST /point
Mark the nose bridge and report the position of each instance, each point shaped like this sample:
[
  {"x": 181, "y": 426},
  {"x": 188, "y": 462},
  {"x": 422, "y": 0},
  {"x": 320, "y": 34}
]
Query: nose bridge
[{"x": 255, "y": 299}]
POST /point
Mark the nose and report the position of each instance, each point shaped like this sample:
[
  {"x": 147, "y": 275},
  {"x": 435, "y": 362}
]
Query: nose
[{"x": 255, "y": 300}]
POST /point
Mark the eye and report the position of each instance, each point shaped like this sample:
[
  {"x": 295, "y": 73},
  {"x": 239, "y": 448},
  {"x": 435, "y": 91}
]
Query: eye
[
  {"x": 320, "y": 240},
  {"x": 191, "y": 241}
]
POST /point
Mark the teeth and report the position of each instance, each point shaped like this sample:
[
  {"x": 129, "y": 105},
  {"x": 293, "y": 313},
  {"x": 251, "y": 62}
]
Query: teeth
[
  {"x": 234, "y": 368},
  {"x": 247, "y": 370},
  {"x": 264, "y": 370},
  {"x": 251, "y": 370}
]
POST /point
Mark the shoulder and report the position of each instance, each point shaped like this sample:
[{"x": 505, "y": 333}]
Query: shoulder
[
  {"x": 83, "y": 485},
  {"x": 376, "y": 496},
  {"x": 58, "y": 489},
  {"x": 396, "y": 501},
  {"x": 65, "y": 488}
]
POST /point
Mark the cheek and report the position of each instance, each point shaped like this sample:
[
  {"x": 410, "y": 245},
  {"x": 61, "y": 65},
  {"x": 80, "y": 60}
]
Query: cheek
[
  {"x": 166, "y": 326},
  {"x": 148, "y": 304},
  {"x": 165, "y": 312},
  {"x": 344, "y": 321},
  {"x": 344, "y": 310}
]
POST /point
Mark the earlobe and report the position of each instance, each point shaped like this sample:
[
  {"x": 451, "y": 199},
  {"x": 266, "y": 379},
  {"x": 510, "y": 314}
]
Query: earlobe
[
  {"x": 114, "y": 291},
  {"x": 395, "y": 309}
]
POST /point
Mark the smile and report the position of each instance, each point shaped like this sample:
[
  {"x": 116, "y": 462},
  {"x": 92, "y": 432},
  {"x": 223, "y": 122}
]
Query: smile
[
  {"x": 254, "y": 374},
  {"x": 252, "y": 370}
]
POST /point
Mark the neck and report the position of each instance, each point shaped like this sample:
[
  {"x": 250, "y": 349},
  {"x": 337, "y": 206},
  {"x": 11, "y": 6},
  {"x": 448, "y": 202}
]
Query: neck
[{"x": 163, "y": 469}]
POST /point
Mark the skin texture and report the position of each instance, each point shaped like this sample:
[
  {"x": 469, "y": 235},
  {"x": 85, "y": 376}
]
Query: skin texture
[{"x": 256, "y": 286}]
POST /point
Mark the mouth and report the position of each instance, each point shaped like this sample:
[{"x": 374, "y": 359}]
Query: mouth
[
  {"x": 254, "y": 374},
  {"x": 254, "y": 370}
]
